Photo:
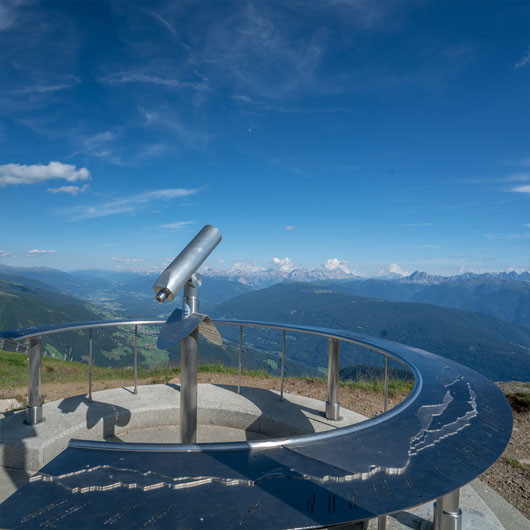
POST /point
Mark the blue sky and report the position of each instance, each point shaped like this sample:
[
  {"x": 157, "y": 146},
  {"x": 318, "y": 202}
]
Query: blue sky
[{"x": 365, "y": 133}]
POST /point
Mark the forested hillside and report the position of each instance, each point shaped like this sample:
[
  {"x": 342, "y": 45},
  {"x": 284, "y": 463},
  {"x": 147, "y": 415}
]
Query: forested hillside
[{"x": 498, "y": 349}]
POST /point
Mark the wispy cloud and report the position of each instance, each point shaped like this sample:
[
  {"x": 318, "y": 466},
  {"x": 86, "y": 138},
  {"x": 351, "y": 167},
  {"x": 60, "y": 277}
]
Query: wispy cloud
[
  {"x": 126, "y": 260},
  {"x": 166, "y": 118},
  {"x": 71, "y": 190},
  {"x": 9, "y": 12},
  {"x": 69, "y": 82},
  {"x": 254, "y": 48},
  {"x": 128, "y": 204},
  {"x": 525, "y": 59},
  {"x": 522, "y": 162},
  {"x": 521, "y": 189},
  {"x": 517, "y": 177},
  {"x": 120, "y": 78},
  {"x": 427, "y": 246},
  {"x": 507, "y": 236},
  {"x": 289, "y": 227},
  {"x": 39, "y": 252},
  {"x": 16, "y": 174},
  {"x": 178, "y": 225},
  {"x": 417, "y": 224}
]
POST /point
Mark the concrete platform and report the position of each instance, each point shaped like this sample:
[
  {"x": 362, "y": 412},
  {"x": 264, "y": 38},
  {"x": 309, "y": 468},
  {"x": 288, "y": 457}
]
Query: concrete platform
[
  {"x": 118, "y": 412},
  {"x": 153, "y": 416}
]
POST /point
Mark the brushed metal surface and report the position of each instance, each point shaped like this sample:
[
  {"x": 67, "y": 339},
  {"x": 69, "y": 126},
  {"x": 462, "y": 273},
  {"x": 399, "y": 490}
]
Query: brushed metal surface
[
  {"x": 50, "y": 329},
  {"x": 180, "y": 270},
  {"x": 450, "y": 429}
]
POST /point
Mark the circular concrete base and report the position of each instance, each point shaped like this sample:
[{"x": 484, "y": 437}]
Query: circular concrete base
[{"x": 154, "y": 413}]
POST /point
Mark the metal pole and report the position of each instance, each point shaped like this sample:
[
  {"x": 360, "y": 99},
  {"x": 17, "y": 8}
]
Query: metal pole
[
  {"x": 34, "y": 408},
  {"x": 381, "y": 522},
  {"x": 283, "y": 364},
  {"x": 332, "y": 403},
  {"x": 385, "y": 406},
  {"x": 240, "y": 362},
  {"x": 447, "y": 512},
  {"x": 90, "y": 365},
  {"x": 189, "y": 365},
  {"x": 136, "y": 358}
]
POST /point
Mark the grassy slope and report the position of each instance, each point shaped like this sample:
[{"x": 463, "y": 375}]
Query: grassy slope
[{"x": 14, "y": 373}]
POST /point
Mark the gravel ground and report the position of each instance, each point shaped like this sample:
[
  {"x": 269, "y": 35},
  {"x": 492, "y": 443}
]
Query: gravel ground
[{"x": 509, "y": 476}]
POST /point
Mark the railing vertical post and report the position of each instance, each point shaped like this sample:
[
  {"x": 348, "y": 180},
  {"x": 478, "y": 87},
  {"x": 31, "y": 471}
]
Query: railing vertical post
[
  {"x": 189, "y": 363},
  {"x": 283, "y": 364},
  {"x": 447, "y": 512},
  {"x": 385, "y": 404},
  {"x": 136, "y": 358},
  {"x": 90, "y": 365},
  {"x": 240, "y": 361},
  {"x": 34, "y": 408},
  {"x": 381, "y": 522},
  {"x": 332, "y": 403}
]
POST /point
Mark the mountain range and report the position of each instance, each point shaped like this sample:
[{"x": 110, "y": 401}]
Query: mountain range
[
  {"x": 260, "y": 277},
  {"x": 479, "y": 320}
]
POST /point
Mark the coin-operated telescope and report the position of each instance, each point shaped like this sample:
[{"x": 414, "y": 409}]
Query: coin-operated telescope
[
  {"x": 185, "y": 265},
  {"x": 186, "y": 325}
]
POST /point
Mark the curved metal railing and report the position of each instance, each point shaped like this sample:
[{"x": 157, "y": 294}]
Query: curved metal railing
[
  {"x": 34, "y": 335},
  {"x": 452, "y": 426}
]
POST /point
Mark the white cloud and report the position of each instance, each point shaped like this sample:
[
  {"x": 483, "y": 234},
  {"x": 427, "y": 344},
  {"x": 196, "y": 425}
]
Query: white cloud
[
  {"x": 334, "y": 264},
  {"x": 285, "y": 264},
  {"x": 522, "y": 189},
  {"x": 525, "y": 59},
  {"x": 418, "y": 224},
  {"x": 128, "y": 204},
  {"x": 55, "y": 87},
  {"x": 127, "y": 260},
  {"x": 16, "y": 174},
  {"x": 396, "y": 269},
  {"x": 289, "y": 227},
  {"x": 390, "y": 269},
  {"x": 178, "y": 225},
  {"x": 72, "y": 190},
  {"x": 120, "y": 78},
  {"x": 507, "y": 236},
  {"x": 38, "y": 252}
]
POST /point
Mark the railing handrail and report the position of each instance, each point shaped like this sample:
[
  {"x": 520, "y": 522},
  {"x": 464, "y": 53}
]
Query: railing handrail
[{"x": 52, "y": 329}]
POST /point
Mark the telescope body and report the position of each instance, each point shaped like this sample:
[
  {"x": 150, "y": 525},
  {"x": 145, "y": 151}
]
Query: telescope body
[{"x": 182, "y": 268}]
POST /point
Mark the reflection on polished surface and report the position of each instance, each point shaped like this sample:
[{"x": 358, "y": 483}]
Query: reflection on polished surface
[{"x": 450, "y": 429}]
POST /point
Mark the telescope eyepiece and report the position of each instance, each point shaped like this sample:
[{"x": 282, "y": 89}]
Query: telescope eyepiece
[{"x": 162, "y": 295}]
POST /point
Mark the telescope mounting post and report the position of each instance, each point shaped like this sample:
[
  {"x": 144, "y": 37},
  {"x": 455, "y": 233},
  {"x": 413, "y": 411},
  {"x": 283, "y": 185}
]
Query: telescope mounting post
[{"x": 189, "y": 364}]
